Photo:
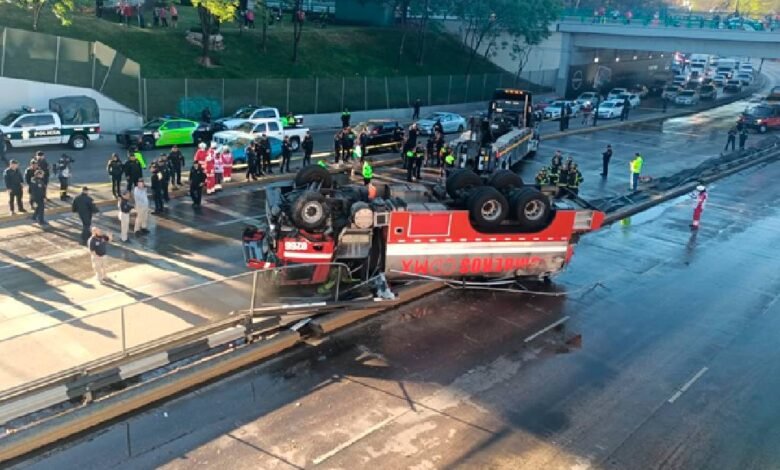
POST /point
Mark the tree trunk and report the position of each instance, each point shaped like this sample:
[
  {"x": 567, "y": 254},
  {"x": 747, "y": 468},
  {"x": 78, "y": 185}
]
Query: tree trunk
[
  {"x": 297, "y": 29},
  {"x": 265, "y": 27},
  {"x": 401, "y": 49},
  {"x": 475, "y": 48},
  {"x": 205, "y": 30},
  {"x": 422, "y": 33},
  {"x": 37, "y": 7}
]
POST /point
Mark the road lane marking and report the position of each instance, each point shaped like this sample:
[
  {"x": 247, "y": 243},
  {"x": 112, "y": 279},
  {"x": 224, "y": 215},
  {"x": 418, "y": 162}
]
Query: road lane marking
[
  {"x": 344, "y": 445},
  {"x": 546, "y": 329},
  {"x": 687, "y": 385}
]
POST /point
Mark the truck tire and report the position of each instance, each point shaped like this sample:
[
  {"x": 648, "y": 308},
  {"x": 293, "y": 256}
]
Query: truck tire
[
  {"x": 531, "y": 209},
  {"x": 487, "y": 207},
  {"x": 310, "y": 211},
  {"x": 504, "y": 180},
  {"x": 78, "y": 142},
  {"x": 313, "y": 174},
  {"x": 295, "y": 144},
  {"x": 460, "y": 180},
  {"x": 147, "y": 143}
]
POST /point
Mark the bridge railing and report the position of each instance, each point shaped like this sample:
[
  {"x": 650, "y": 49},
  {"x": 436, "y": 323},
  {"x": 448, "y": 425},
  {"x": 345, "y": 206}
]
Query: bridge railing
[{"x": 674, "y": 19}]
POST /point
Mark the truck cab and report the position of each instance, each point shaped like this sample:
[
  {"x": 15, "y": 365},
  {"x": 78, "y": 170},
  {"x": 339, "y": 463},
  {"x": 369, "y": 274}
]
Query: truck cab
[
  {"x": 271, "y": 127},
  {"x": 251, "y": 113}
]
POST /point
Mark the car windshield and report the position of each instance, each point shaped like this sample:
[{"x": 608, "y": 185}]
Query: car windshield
[
  {"x": 244, "y": 113},
  {"x": 556, "y": 104},
  {"x": 246, "y": 127},
  {"x": 624, "y": 96},
  {"x": 586, "y": 96},
  {"x": 759, "y": 111},
  {"x": 687, "y": 93},
  {"x": 707, "y": 88},
  {"x": 9, "y": 118},
  {"x": 435, "y": 117},
  {"x": 153, "y": 124},
  {"x": 618, "y": 91},
  {"x": 608, "y": 105}
]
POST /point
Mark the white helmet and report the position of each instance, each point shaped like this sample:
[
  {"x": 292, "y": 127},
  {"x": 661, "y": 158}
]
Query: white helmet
[
  {"x": 701, "y": 188},
  {"x": 213, "y": 145},
  {"x": 202, "y": 146}
]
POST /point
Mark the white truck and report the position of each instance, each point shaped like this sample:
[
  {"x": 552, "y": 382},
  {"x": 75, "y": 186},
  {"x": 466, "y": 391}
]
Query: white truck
[
  {"x": 70, "y": 120},
  {"x": 248, "y": 113},
  {"x": 252, "y": 129}
]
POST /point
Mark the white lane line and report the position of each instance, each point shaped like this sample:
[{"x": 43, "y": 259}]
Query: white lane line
[
  {"x": 344, "y": 445},
  {"x": 687, "y": 385},
  {"x": 546, "y": 329}
]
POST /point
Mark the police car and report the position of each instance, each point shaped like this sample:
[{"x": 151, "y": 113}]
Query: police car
[{"x": 70, "y": 120}]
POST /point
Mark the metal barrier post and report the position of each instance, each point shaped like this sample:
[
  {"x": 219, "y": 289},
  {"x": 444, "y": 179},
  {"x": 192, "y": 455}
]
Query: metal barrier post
[
  {"x": 5, "y": 46},
  {"x": 124, "y": 336},
  {"x": 94, "y": 59},
  {"x": 316, "y": 93},
  {"x": 57, "y": 59},
  {"x": 338, "y": 283},
  {"x": 254, "y": 293}
]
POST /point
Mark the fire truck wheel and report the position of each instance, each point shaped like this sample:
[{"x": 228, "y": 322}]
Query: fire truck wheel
[
  {"x": 313, "y": 174},
  {"x": 461, "y": 179},
  {"x": 487, "y": 207},
  {"x": 505, "y": 179},
  {"x": 309, "y": 211},
  {"x": 531, "y": 209}
]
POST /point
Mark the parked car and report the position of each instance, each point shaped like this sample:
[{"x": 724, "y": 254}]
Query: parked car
[
  {"x": 748, "y": 67},
  {"x": 164, "y": 132},
  {"x": 761, "y": 118},
  {"x": 589, "y": 97},
  {"x": 615, "y": 92},
  {"x": 633, "y": 99},
  {"x": 680, "y": 80},
  {"x": 382, "y": 133},
  {"x": 450, "y": 122},
  {"x": 734, "y": 86},
  {"x": 687, "y": 97},
  {"x": 670, "y": 92},
  {"x": 554, "y": 110},
  {"x": 692, "y": 85},
  {"x": 708, "y": 92},
  {"x": 719, "y": 80},
  {"x": 610, "y": 109}
]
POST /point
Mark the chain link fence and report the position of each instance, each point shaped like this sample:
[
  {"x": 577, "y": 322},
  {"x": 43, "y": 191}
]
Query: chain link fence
[{"x": 40, "y": 57}]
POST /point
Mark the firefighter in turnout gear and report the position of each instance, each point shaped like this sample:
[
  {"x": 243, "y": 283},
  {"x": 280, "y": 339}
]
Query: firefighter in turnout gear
[
  {"x": 542, "y": 179},
  {"x": 574, "y": 179}
]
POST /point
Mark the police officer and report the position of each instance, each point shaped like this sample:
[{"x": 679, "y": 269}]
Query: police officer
[
  {"x": 743, "y": 135},
  {"x": 345, "y": 117},
  {"x": 732, "y": 139},
  {"x": 449, "y": 157},
  {"x": 286, "y": 155},
  {"x": 197, "y": 182},
  {"x": 308, "y": 148},
  {"x": 605, "y": 158},
  {"x": 176, "y": 159},
  {"x": 43, "y": 165},
  {"x": 38, "y": 196},
  {"x": 63, "y": 171},
  {"x": 337, "y": 146},
  {"x": 165, "y": 170},
  {"x": 13, "y": 184},
  {"x": 157, "y": 189},
  {"x": 133, "y": 171},
  {"x": 429, "y": 150},
  {"x": 368, "y": 171},
  {"x": 85, "y": 207},
  {"x": 437, "y": 127},
  {"x": 265, "y": 154},
  {"x": 251, "y": 161},
  {"x": 419, "y": 158},
  {"x": 363, "y": 142},
  {"x": 29, "y": 175},
  {"x": 115, "y": 168},
  {"x": 347, "y": 143},
  {"x": 2, "y": 147},
  {"x": 409, "y": 163},
  {"x": 574, "y": 179}
]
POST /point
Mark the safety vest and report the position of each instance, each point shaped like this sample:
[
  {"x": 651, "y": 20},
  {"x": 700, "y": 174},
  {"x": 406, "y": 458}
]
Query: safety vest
[
  {"x": 322, "y": 164},
  {"x": 636, "y": 164},
  {"x": 541, "y": 179},
  {"x": 357, "y": 153},
  {"x": 449, "y": 159},
  {"x": 574, "y": 181},
  {"x": 420, "y": 154},
  {"x": 552, "y": 178},
  {"x": 140, "y": 159},
  {"x": 409, "y": 154},
  {"x": 368, "y": 172}
]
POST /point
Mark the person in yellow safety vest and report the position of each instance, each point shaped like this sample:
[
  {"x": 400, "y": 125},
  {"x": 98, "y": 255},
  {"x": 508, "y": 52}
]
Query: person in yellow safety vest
[
  {"x": 322, "y": 164},
  {"x": 140, "y": 158},
  {"x": 368, "y": 172},
  {"x": 553, "y": 175},
  {"x": 636, "y": 169},
  {"x": 575, "y": 179},
  {"x": 542, "y": 179},
  {"x": 449, "y": 158}
]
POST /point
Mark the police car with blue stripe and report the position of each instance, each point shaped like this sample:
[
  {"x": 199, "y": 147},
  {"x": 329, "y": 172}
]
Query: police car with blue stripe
[{"x": 70, "y": 120}]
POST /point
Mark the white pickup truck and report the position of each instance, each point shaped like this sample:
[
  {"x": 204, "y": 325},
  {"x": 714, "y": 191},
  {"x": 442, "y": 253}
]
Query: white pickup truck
[
  {"x": 71, "y": 120},
  {"x": 248, "y": 113},
  {"x": 250, "y": 130}
]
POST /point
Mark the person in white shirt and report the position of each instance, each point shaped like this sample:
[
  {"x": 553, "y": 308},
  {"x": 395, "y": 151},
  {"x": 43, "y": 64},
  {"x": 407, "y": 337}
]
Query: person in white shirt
[{"x": 141, "y": 208}]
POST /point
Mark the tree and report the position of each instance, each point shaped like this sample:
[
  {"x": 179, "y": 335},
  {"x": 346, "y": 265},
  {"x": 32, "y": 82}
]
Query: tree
[
  {"x": 298, "y": 18},
  {"x": 61, "y": 9},
  {"x": 520, "y": 53},
  {"x": 211, "y": 12}
]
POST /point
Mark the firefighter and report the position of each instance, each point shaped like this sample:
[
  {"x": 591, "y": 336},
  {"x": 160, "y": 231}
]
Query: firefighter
[
  {"x": 542, "y": 179},
  {"x": 219, "y": 169},
  {"x": 553, "y": 175},
  {"x": 557, "y": 161},
  {"x": 368, "y": 172},
  {"x": 62, "y": 169},
  {"x": 211, "y": 177},
  {"x": 574, "y": 179},
  {"x": 227, "y": 164},
  {"x": 700, "y": 195}
]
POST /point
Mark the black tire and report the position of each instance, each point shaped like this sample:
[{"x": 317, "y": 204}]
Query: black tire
[
  {"x": 147, "y": 143},
  {"x": 310, "y": 211},
  {"x": 313, "y": 174},
  {"x": 504, "y": 180},
  {"x": 531, "y": 209},
  {"x": 461, "y": 179},
  {"x": 461, "y": 129},
  {"x": 78, "y": 142},
  {"x": 295, "y": 144},
  {"x": 487, "y": 207}
]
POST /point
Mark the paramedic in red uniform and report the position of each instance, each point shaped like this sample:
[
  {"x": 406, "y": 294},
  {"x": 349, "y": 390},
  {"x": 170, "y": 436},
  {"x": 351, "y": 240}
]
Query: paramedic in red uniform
[
  {"x": 227, "y": 162},
  {"x": 200, "y": 154},
  {"x": 701, "y": 199},
  {"x": 211, "y": 176}
]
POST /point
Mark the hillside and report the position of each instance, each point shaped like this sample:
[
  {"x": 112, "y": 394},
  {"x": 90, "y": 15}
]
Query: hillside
[{"x": 333, "y": 51}]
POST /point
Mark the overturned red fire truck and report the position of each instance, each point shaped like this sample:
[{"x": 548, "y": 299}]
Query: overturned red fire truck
[{"x": 476, "y": 228}]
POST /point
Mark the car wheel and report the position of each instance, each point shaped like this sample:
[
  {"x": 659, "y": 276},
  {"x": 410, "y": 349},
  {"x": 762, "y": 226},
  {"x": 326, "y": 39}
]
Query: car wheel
[
  {"x": 460, "y": 128},
  {"x": 147, "y": 143},
  {"x": 295, "y": 144},
  {"x": 78, "y": 142}
]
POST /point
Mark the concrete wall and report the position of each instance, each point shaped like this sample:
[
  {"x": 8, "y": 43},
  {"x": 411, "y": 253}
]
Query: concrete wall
[{"x": 16, "y": 93}]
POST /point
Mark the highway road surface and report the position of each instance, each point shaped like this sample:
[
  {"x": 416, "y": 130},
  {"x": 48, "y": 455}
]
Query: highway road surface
[{"x": 656, "y": 349}]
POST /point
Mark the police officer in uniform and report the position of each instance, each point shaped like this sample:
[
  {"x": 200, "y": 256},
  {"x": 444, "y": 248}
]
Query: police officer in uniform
[
  {"x": 62, "y": 169},
  {"x": 197, "y": 182},
  {"x": 286, "y": 155},
  {"x": 176, "y": 160},
  {"x": 43, "y": 165},
  {"x": 345, "y": 117},
  {"x": 347, "y": 144},
  {"x": 251, "y": 161},
  {"x": 85, "y": 207},
  {"x": 265, "y": 154},
  {"x": 308, "y": 149},
  {"x": 337, "y": 146},
  {"x": 157, "y": 189},
  {"x": 419, "y": 158},
  {"x": 115, "y": 168},
  {"x": 38, "y": 196},
  {"x": 13, "y": 184},
  {"x": 743, "y": 136},
  {"x": 165, "y": 170},
  {"x": 133, "y": 171}
]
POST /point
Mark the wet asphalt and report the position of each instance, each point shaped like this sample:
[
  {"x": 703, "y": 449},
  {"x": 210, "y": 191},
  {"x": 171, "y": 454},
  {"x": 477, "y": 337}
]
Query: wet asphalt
[{"x": 665, "y": 357}]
